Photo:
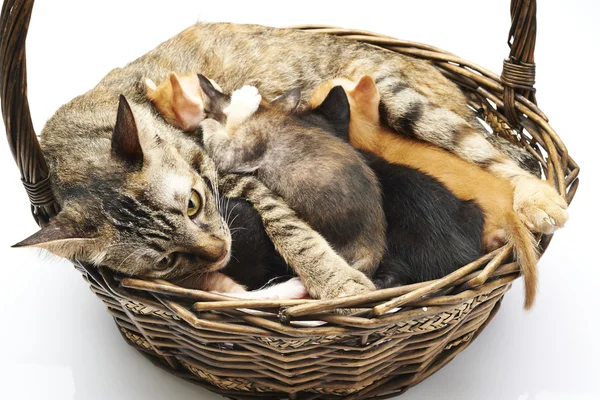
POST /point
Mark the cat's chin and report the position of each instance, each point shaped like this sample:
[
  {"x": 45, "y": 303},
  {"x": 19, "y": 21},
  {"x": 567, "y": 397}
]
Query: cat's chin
[{"x": 220, "y": 264}]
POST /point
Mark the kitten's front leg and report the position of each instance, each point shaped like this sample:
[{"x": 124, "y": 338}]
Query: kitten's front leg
[{"x": 324, "y": 273}]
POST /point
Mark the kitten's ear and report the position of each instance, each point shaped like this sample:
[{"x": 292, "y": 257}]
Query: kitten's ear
[
  {"x": 208, "y": 89},
  {"x": 150, "y": 87},
  {"x": 336, "y": 109},
  {"x": 125, "y": 139},
  {"x": 366, "y": 97},
  {"x": 187, "y": 103},
  {"x": 288, "y": 101},
  {"x": 62, "y": 236}
]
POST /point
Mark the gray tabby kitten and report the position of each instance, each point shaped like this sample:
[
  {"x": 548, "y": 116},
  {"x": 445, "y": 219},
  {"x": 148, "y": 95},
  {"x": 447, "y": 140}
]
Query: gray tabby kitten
[
  {"x": 125, "y": 201},
  {"x": 298, "y": 156}
]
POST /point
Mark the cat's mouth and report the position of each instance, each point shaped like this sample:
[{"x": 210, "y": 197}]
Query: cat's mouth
[{"x": 223, "y": 258}]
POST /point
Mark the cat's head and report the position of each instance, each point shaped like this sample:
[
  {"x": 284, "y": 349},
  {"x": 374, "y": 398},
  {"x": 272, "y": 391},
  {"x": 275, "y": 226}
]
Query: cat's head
[
  {"x": 363, "y": 96},
  {"x": 332, "y": 114},
  {"x": 148, "y": 213},
  {"x": 179, "y": 100}
]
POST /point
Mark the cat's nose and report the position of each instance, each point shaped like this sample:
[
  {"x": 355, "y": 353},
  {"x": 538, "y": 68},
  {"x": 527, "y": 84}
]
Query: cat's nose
[{"x": 211, "y": 251}]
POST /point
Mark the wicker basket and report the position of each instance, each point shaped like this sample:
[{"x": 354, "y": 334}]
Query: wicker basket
[{"x": 245, "y": 349}]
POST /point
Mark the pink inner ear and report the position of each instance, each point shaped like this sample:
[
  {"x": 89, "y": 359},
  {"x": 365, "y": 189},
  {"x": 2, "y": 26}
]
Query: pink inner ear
[{"x": 189, "y": 115}]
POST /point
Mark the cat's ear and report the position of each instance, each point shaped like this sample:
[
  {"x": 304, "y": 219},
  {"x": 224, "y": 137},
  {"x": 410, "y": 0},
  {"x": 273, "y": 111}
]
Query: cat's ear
[
  {"x": 288, "y": 101},
  {"x": 125, "y": 139},
  {"x": 150, "y": 87},
  {"x": 336, "y": 109},
  {"x": 63, "y": 237},
  {"x": 208, "y": 89},
  {"x": 188, "y": 107},
  {"x": 366, "y": 97}
]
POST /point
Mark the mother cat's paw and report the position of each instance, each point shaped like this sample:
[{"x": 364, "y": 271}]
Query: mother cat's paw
[
  {"x": 539, "y": 206},
  {"x": 349, "y": 284}
]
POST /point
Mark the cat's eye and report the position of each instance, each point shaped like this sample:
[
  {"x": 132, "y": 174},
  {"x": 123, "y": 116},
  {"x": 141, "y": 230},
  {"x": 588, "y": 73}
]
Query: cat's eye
[
  {"x": 164, "y": 263},
  {"x": 194, "y": 204}
]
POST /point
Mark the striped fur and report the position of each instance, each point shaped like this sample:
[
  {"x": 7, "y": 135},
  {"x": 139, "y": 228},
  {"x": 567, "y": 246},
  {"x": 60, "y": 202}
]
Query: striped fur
[
  {"x": 324, "y": 273},
  {"x": 77, "y": 139},
  {"x": 320, "y": 176}
]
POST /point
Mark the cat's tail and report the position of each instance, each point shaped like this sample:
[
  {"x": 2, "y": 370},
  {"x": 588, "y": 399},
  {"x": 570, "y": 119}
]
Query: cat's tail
[{"x": 525, "y": 248}]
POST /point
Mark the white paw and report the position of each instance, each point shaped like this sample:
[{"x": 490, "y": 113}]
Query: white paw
[
  {"x": 244, "y": 103},
  {"x": 539, "y": 206},
  {"x": 291, "y": 289}
]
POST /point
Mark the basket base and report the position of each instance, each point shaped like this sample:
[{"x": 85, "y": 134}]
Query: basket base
[{"x": 394, "y": 384}]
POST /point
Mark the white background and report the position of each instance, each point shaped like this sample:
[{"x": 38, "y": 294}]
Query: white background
[{"x": 58, "y": 342}]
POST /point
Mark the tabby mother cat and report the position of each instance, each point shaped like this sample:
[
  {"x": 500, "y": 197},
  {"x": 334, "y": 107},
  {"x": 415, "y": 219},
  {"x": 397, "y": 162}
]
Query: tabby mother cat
[{"x": 129, "y": 201}]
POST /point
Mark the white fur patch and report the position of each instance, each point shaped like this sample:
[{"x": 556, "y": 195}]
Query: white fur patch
[
  {"x": 509, "y": 170},
  {"x": 216, "y": 85},
  {"x": 291, "y": 289},
  {"x": 174, "y": 184},
  {"x": 244, "y": 103},
  {"x": 477, "y": 147}
]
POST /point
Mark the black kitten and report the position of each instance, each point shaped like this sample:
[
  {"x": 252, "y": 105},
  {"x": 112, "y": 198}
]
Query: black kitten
[{"x": 431, "y": 232}]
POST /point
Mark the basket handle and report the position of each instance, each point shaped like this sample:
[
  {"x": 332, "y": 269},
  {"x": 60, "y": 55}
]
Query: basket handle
[
  {"x": 518, "y": 72},
  {"x": 518, "y": 76},
  {"x": 14, "y": 23}
]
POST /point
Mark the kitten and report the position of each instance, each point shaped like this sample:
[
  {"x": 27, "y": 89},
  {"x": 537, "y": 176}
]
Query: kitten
[
  {"x": 467, "y": 181},
  {"x": 118, "y": 204},
  {"x": 430, "y": 232},
  {"x": 321, "y": 177},
  {"x": 178, "y": 100}
]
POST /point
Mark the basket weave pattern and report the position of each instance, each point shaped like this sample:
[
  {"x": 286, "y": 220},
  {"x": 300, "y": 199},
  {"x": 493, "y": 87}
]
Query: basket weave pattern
[{"x": 270, "y": 349}]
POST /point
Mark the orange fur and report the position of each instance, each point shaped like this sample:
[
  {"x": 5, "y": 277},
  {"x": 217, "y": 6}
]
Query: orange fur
[
  {"x": 179, "y": 100},
  {"x": 212, "y": 282},
  {"x": 466, "y": 180}
]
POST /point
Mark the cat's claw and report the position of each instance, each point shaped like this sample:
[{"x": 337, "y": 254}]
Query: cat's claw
[{"x": 539, "y": 206}]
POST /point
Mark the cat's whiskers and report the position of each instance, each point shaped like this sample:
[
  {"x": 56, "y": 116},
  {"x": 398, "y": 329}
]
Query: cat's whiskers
[
  {"x": 218, "y": 197},
  {"x": 131, "y": 255},
  {"x": 193, "y": 276},
  {"x": 234, "y": 218},
  {"x": 229, "y": 215},
  {"x": 110, "y": 246}
]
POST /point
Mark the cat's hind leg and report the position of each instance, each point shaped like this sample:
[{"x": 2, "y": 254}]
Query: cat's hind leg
[{"x": 407, "y": 111}]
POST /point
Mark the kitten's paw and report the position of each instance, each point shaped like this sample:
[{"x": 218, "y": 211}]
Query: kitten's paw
[
  {"x": 356, "y": 283},
  {"x": 291, "y": 289},
  {"x": 539, "y": 206},
  {"x": 244, "y": 103}
]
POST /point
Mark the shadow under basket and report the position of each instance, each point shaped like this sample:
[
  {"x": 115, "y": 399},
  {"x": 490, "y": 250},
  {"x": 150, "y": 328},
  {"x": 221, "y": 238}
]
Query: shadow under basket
[{"x": 305, "y": 349}]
